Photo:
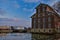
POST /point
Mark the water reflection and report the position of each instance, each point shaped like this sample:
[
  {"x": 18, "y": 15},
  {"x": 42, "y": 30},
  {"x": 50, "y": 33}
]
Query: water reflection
[
  {"x": 16, "y": 36},
  {"x": 42, "y": 37},
  {"x": 26, "y": 36},
  {"x": 3, "y": 34}
]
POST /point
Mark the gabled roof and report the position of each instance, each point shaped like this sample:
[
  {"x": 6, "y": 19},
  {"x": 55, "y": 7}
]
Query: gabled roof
[
  {"x": 40, "y": 5},
  {"x": 55, "y": 12}
]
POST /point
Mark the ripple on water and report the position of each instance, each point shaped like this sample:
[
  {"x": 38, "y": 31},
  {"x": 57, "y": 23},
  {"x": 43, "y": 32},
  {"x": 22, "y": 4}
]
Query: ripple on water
[{"x": 16, "y": 36}]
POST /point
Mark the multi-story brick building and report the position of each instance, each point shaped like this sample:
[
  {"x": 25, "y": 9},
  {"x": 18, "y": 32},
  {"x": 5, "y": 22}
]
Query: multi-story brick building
[{"x": 45, "y": 18}]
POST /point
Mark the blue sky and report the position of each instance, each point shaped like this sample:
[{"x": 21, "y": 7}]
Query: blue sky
[{"x": 18, "y": 12}]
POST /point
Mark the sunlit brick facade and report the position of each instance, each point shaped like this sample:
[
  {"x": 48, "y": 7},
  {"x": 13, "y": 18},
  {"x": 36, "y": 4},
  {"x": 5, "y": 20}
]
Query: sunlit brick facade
[{"x": 45, "y": 17}]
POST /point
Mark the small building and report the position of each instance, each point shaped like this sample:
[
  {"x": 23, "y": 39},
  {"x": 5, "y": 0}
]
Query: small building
[
  {"x": 5, "y": 29},
  {"x": 46, "y": 19}
]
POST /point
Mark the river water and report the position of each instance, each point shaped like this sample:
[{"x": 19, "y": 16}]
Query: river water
[{"x": 25, "y": 36}]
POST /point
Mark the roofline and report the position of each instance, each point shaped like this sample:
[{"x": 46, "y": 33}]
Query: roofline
[
  {"x": 55, "y": 12},
  {"x": 41, "y": 4},
  {"x": 48, "y": 6},
  {"x": 32, "y": 15}
]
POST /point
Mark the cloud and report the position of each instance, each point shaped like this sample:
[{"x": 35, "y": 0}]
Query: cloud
[
  {"x": 31, "y": 1},
  {"x": 27, "y": 10},
  {"x": 12, "y": 3},
  {"x": 15, "y": 4},
  {"x": 4, "y": 0},
  {"x": 2, "y": 11},
  {"x": 3, "y": 16},
  {"x": 52, "y": 2},
  {"x": 56, "y": 6},
  {"x": 14, "y": 22},
  {"x": 16, "y": 19}
]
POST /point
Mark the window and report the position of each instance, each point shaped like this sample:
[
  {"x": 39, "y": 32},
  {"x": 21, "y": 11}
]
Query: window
[
  {"x": 43, "y": 7},
  {"x": 44, "y": 22},
  {"x": 38, "y": 10},
  {"x": 49, "y": 13},
  {"x": 43, "y": 25},
  {"x": 39, "y": 23},
  {"x": 39, "y": 15},
  {"x": 49, "y": 19},
  {"x": 34, "y": 23},
  {"x": 39, "y": 20},
  {"x": 49, "y": 25}
]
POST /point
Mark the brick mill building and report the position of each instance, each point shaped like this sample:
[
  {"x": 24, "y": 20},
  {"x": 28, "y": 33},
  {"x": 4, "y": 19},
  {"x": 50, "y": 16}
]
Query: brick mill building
[{"x": 45, "y": 18}]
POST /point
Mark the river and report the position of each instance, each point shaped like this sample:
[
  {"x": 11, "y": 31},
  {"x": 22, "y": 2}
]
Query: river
[{"x": 25, "y": 36}]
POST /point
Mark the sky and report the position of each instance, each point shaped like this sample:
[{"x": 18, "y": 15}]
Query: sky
[{"x": 18, "y": 12}]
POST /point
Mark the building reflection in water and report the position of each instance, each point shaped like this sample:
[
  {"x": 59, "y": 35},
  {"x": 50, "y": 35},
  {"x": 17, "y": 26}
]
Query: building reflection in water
[
  {"x": 3, "y": 34},
  {"x": 28, "y": 36},
  {"x": 43, "y": 37}
]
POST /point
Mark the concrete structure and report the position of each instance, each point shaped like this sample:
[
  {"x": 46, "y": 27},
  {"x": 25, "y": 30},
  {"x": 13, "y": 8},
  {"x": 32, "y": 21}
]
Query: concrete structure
[{"x": 46, "y": 19}]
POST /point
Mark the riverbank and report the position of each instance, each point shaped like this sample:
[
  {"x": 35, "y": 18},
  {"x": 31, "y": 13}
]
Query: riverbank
[
  {"x": 5, "y": 31},
  {"x": 13, "y": 31}
]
